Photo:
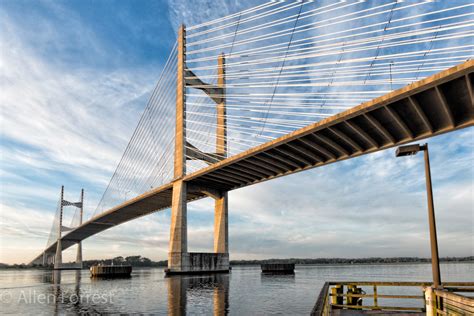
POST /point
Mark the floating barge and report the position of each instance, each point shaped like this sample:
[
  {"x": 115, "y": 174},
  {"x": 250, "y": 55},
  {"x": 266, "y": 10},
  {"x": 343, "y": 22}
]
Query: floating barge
[
  {"x": 394, "y": 298},
  {"x": 278, "y": 268},
  {"x": 110, "y": 271}
]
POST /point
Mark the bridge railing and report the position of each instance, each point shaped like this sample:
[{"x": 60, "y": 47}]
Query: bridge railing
[{"x": 395, "y": 296}]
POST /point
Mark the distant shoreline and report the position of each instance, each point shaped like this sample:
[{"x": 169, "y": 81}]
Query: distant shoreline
[
  {"x": 352, "y": 261},
  {"x": 138, "y": 261},
  {"x": 359, "y": 264}
]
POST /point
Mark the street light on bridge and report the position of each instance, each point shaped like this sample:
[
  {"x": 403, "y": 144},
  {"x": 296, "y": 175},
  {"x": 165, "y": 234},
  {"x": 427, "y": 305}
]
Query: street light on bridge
[{"x": 410, "y": 150}]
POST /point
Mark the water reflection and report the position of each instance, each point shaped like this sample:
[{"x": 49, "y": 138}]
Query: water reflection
[
  {"x": 66, "y": 297},
  {"x": 45, "y": 292},
  {"x": 56, "y": 289},
  {"x": 95, "y": 279},
  {"x": 45, "y": 277},
  {"x": 179, "y": 287},
  {"x": 211, "y": 292},
  {"x": 77, "y": 291}
]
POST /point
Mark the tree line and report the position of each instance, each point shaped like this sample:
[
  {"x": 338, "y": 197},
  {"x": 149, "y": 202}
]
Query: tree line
[{"x": 139, "y": 261}]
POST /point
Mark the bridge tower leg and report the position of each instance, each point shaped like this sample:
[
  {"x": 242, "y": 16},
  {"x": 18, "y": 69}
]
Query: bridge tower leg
[
  {"x": 221, "y": 234},
  {"x": 177, "y": 256},
  {"x": 179, "y": 259},
  {"x": 79, "y": 244},
  {"x": 58, "y": 259}
]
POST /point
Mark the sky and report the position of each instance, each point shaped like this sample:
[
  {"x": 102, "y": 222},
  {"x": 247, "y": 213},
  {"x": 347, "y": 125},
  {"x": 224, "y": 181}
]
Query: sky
[{"x": 75, "y": 77}]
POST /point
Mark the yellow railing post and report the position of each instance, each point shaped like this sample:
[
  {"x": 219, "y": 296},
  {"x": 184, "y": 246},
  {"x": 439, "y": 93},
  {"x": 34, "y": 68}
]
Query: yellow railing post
[
  {"x": 336, "y": 295},
  {"x": 375, "y": 296},
  {"x": 430, "y": 301}
]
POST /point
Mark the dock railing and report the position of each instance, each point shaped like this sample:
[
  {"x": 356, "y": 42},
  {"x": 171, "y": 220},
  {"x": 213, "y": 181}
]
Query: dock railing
[
  {"x": 448, "y": 302},
  {"x": 395, "y": 296}
]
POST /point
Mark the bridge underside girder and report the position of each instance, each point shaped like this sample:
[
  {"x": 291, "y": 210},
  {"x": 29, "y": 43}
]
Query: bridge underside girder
[
  {"x": 438, "y": 104},
  {"x": 433, "y": 106}
]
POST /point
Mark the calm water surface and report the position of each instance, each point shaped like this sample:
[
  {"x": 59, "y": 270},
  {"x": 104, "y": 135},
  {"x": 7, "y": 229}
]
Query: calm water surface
[{"x": 245, "y": 291}]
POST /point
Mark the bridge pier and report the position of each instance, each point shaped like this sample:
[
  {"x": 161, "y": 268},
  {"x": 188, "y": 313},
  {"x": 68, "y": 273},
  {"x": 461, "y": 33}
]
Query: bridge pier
[
  {"x": 221, "y": 225},
  {"x": 49, "y": 259},
  {"x": 180, "y": 261},
  {"x": 79, "y": 255},
  {"x": 58, "y": 258}
]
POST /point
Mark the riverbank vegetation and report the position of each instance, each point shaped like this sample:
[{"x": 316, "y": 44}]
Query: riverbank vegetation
[{"x": 139, "y": 261}]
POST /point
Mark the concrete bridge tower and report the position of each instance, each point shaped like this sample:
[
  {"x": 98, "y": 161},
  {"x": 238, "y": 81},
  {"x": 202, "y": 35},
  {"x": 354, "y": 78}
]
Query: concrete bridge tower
[
  {"x": 179, "y": 259},
  {"x": 57, "y": 259}
]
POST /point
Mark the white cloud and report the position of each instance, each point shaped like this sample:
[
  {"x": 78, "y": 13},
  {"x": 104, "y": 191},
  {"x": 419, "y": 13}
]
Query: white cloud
[
  {"x": 370, "y": 206},
  {"x": 57, "y": 118}
]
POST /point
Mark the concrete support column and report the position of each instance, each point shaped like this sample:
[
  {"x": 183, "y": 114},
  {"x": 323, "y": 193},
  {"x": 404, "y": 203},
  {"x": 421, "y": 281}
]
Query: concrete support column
[
  {"x": 79, "y": 255},
  {"x": 221, "y": 234},
  {"x": 58, "y": 258},
  {"x": 178, "y": 230}
]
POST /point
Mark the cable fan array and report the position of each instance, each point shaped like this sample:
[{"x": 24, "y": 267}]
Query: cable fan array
[
  {"x": 290, "y": 64},
  {"x": 287, "y": 65}
]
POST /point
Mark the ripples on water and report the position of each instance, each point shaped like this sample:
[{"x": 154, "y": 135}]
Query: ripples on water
[{"x": 245, "y": 291}]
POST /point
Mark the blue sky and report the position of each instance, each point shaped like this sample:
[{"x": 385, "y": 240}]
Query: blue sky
[{"x": 75, "y": 78}]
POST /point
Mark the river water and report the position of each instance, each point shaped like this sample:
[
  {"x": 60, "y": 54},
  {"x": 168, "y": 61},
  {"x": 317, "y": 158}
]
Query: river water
[{"x": 244, "y": 291}]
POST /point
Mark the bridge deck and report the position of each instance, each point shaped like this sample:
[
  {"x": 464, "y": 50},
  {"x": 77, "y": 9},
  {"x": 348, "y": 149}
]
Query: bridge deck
[{"x": 438, "y": 104}]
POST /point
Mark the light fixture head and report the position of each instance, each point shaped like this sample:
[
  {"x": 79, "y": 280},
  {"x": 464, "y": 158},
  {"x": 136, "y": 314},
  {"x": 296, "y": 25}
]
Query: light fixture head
[{"x": 408, "y": 150}]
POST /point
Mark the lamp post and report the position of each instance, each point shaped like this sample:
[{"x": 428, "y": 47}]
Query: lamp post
[{"x": 413, "y": 150}]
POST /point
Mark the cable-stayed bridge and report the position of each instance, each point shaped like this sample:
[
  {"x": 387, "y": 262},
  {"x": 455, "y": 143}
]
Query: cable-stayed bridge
[{"x": 277, "y": 89}]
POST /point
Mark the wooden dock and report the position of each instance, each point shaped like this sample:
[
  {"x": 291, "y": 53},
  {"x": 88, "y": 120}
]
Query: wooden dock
[{"x": 357, "y": 298}]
